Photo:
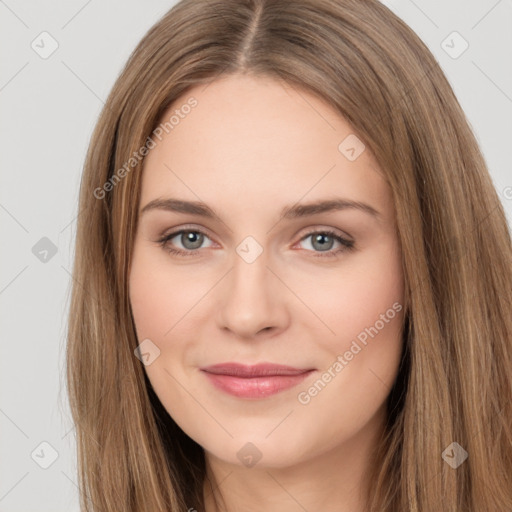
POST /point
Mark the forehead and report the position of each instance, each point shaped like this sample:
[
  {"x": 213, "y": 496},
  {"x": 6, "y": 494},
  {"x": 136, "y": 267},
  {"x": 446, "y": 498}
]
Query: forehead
[{"x": 261, "y": 142}]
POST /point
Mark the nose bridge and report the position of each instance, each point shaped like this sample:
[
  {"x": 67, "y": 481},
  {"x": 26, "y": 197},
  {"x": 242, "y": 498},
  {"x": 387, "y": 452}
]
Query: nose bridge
[
  {"x": 249, "y": 281},
  {"x": 251, "y": 300},
  {"x": 250, "y": 268}
]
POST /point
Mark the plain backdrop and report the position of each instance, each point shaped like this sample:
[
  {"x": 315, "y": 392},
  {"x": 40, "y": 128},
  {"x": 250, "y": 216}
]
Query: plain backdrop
[{"x": 50, "y": 103}]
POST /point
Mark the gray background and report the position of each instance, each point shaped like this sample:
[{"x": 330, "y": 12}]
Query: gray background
[{"x": 49, "y": 107}]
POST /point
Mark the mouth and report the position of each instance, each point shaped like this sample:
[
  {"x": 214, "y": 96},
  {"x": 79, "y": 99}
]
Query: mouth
[{"x": 256, "y": 381}]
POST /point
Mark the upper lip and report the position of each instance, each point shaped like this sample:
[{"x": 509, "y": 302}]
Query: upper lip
[{"x": 257, "y": 370}]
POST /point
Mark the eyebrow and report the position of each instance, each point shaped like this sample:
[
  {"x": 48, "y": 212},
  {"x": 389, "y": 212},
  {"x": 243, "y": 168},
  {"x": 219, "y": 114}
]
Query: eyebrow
[{"x": 288, "y": 212}]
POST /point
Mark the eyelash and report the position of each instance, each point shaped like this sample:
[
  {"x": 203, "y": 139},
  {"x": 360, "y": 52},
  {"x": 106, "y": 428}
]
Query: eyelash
[{"x": 346, "y": 245}]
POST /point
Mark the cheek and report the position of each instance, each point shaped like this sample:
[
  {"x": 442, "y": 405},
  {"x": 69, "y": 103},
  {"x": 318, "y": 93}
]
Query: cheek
[
  {"x": 365, "y": 293},
  {"x": 364, "y": 307},
  {"x": 361, "y": 308},
  {"x": 160, "y": 299},
  {"x": 159, "y": 296}
]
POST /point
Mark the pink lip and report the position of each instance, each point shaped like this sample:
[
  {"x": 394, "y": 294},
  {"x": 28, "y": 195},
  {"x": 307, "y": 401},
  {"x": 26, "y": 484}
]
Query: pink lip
[{"x": 257, "y": 381}]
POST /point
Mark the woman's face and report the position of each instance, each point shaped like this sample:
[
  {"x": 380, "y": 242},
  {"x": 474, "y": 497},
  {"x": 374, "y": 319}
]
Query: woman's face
[{"x": 318, "y": 289}]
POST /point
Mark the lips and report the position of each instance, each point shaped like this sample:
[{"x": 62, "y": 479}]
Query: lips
[{"x": 256, "y": 381}]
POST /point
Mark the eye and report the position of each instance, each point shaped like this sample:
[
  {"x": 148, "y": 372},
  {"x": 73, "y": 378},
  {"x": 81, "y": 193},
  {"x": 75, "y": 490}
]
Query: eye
[
  {"x": 323, "y": 241},
  {"x": 190, "y": 239}
]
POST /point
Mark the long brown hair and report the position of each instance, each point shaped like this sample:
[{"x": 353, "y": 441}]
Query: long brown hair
[{"x": 455, "y": 380}]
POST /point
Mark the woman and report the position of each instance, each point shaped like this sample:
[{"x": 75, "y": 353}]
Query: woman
[{"x": 293, "y": 274}]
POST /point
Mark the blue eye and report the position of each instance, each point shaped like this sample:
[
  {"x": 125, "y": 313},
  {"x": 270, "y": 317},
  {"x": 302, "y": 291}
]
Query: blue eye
[
  {"x": 192, "y": 239},
  {"x": 325, "y": 239}
]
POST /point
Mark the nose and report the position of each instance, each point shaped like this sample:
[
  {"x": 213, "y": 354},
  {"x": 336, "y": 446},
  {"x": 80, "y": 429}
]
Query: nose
[{"x": 252, "y": 300}]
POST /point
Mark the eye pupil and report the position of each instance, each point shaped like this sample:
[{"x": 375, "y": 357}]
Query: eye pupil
[{"x": 321, "y": 237}]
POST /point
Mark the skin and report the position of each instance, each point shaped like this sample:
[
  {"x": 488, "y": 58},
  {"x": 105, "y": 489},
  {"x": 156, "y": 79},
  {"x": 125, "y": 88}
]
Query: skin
[{"x": 249, "y": 148}]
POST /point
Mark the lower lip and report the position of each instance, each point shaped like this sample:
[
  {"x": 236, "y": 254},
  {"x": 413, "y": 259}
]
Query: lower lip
[{"x": 255, "y": 387}]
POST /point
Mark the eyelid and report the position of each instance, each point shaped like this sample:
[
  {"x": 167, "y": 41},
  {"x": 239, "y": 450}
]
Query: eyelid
[
  {"x": 185, "y": 227},
  {"x": 320, "y": 228}
]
